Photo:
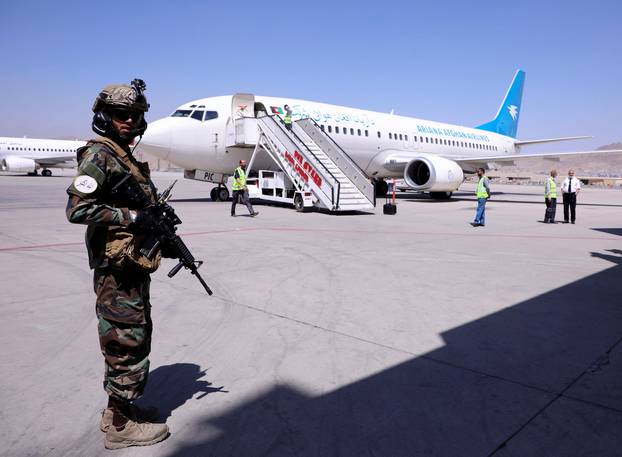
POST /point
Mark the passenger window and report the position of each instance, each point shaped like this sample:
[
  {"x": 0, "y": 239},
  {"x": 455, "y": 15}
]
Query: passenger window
[
  {"x": 426, "y": 139},
  {"x": 322, "y": 127},
  {"x": 379, "y": 134},
  {"x": 211, "y": 115},
  {"x": 400, "y": 137},
  {"x": 406, "y": 137},
  {"x": 367, "y": 133},
  {"x": 198, "y": 115},
  {"x": 436, "y": 140},
  {"x": 336, "y": 129},
  {"x": 181, "y": 113},
  {"x": 359, "y": 132},
  {"x": 330, "y": 129},
  {"x": 390, "y": 136},
  {"x": 352, "y": 132}
]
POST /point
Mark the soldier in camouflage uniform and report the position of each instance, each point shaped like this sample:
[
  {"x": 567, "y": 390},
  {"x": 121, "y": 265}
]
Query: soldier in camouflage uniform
[{"x": 121, "y": 274}]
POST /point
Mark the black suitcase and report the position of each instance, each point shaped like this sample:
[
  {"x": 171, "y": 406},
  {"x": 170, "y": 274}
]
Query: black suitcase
[{"x": 389, "y": 208}]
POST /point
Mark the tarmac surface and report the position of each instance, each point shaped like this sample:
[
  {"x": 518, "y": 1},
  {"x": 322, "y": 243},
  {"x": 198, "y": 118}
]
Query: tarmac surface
[{"x": 330, "y": 335}]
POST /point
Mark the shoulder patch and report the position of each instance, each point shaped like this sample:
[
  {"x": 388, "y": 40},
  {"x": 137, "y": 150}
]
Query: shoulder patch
[{"x": 85, "y": 184}]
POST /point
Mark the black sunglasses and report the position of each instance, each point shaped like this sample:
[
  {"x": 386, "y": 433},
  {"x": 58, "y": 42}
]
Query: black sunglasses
[{"x": 124, "y": 115}]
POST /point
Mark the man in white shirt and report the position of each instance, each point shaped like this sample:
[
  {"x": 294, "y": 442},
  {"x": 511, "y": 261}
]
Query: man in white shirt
[{"x": 570, "y": 188}]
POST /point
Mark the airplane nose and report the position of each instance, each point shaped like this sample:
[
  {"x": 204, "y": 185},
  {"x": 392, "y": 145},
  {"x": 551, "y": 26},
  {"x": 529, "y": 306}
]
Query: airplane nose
[{"x": 157, "y": 139}]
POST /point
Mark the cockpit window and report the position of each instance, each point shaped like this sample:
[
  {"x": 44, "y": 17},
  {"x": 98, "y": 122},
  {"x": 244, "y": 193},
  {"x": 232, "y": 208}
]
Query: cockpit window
[
  {"x": 198, "y": 115},
  {"x": 181, "y": 113},
  {"x": 211, "y": 115}
]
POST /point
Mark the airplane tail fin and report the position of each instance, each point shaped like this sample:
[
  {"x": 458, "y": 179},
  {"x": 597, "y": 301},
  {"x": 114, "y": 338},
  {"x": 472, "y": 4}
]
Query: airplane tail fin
[{"x": 506, "y": 120}]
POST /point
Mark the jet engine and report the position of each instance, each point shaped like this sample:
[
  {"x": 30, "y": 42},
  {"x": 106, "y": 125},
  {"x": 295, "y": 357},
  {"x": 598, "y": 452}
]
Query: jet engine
[
  {"x": 433, "y": 174},
  {"x": 19, "y": 164}
]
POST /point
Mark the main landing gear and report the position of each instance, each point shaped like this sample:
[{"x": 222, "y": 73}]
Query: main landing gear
[
  {"x": 44, "y": 172},
  {"x": 220, "y": 193}
]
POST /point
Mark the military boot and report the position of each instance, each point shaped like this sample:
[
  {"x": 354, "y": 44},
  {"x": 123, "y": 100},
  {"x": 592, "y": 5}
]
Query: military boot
[
  {"x": 135, "y": 434},
  {"x": 137, "y": 414}
]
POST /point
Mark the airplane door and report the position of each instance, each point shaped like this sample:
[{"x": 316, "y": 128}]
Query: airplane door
[{"x": 243, "y": 113}]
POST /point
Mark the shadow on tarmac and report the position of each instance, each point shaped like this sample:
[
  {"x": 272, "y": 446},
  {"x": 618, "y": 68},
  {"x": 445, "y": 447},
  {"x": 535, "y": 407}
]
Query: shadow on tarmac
[
  {"x": 185, "y": 378},
  {"x": 508, "y": 384},
  {"x": 611, "y": 231}
]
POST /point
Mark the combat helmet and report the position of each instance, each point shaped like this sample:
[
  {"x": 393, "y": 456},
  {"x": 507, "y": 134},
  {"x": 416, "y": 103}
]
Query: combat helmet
[{"x": 124, "y": 96}]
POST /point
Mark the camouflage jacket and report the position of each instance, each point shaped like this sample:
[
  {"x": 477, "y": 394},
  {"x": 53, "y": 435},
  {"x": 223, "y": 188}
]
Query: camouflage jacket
[{"x": 101, "y": 164}]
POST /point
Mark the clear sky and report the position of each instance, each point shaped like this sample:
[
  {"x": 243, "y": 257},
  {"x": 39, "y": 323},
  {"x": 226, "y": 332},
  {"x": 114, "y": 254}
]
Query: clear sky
[{"x": 449, "y": 61}]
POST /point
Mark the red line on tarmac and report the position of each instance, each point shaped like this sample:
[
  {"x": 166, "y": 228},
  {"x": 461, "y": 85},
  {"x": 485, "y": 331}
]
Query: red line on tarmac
[
  {"x": 38, "y": 246},
  {"x": 408, "y": 232},
  {"x": 305, "y": 230}
]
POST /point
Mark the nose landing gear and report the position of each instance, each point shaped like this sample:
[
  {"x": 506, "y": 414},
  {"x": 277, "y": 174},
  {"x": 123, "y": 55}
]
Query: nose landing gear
[{"x": 220, "y": 193}]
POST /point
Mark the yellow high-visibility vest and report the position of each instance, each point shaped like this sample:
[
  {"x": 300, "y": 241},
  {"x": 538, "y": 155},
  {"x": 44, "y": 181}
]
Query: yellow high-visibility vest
[
  {"x": 239, "y": 183},
  {"x": 481, "y": 189},
  {"x": 553, "y": 189}
]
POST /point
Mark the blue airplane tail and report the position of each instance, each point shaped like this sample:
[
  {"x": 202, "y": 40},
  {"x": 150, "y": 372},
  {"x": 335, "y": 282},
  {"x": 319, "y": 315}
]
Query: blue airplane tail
[{"x": 506, "y": 120}]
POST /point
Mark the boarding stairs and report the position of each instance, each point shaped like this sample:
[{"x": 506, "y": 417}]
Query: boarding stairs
[{"x": 315, "y": 163}]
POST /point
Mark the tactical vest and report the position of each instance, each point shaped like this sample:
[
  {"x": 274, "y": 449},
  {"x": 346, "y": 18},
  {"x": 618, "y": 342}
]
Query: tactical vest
[
  {"x": 481, "y": 189},
  {"x": 552, "y": 190},
  {"x": 287, "y": 118},
  {"x": 122, "y": 246},
  {"x": 239, "y": 183}
]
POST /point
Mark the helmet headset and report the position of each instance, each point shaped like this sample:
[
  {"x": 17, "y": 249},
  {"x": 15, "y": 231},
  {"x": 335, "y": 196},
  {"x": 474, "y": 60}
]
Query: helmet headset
[{"x": 123, "y": 97}]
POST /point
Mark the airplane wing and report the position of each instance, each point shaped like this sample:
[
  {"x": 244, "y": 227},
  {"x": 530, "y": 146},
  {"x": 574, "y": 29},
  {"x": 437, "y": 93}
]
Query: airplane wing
[
  {"x": 396, "y": 162},
  {"x": 550, "y": 140},
  {"x": 50, "y": 162},
  {"x": 508, "y": 160}
]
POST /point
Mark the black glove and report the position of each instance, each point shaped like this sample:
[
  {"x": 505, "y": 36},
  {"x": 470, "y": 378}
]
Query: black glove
[{"x": 144, "y": 219}]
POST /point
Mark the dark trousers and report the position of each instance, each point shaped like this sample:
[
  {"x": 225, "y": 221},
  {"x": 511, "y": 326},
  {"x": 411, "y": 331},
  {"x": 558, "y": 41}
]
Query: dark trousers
[
  {"x": 570, "y": 202},
  {"x": 551, "y": 208},
  {"x": 243, "y": 196}
]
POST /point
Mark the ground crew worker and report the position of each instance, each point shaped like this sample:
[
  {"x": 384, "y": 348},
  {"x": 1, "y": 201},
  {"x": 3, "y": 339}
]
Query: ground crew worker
[
  {"x": 121, "y": 274},
  {"x": 550, "y": 198},
  {"x": 287, "y": 119},
  {"x": 483, "y": 194},
  {"x": 240, "y": 190},
  {"x": 571, "y": 187}
]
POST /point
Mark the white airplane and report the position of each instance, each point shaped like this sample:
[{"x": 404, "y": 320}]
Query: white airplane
[
  {"x": 28, "y": 155},
  {"x": 207, "y": 137}
]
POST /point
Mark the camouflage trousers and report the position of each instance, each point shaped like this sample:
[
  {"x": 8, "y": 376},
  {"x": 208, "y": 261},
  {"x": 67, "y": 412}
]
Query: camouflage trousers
[{"x": 125, "y": 327}]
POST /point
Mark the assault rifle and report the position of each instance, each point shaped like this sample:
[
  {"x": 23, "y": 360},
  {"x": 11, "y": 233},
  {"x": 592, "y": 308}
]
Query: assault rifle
[{"x": 162, "y": 232}]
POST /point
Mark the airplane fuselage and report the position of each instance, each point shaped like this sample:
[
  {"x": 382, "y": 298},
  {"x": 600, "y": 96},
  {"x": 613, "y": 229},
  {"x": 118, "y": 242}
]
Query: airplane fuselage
[
  {"x": 190, "y": 140},
  {"x": 30, "y": 154}
]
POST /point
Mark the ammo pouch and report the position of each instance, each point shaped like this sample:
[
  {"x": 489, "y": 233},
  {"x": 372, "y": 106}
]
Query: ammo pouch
[{"x": 123, "y": 250}]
